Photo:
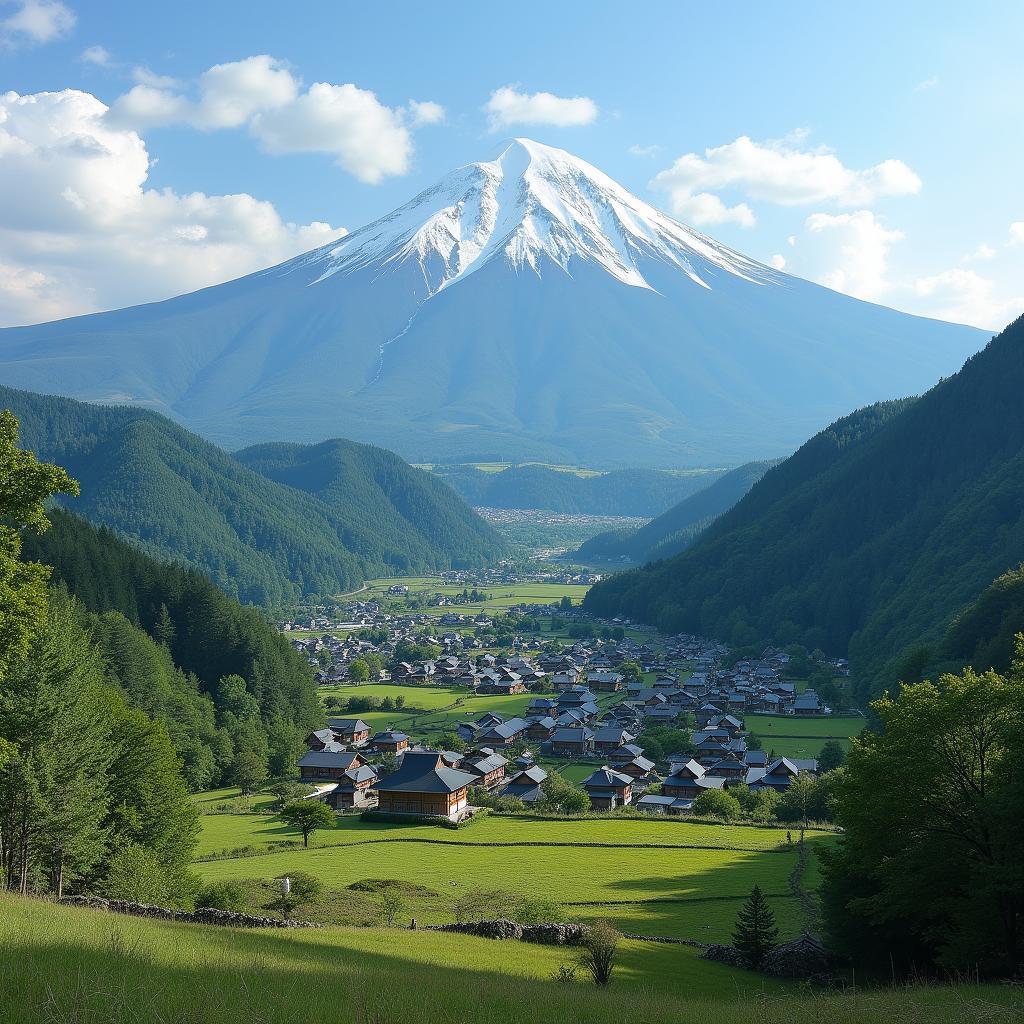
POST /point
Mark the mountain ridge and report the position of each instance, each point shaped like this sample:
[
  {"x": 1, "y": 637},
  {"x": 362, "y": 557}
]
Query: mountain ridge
[{"x": 524, "y": 308}]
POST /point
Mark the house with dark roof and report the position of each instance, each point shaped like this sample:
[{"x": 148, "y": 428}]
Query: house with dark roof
[
  {"x": 425, "y": 785},
  {"x": 327, "y": 765},
  {"x": 504, "y": 734},
  {"x": 572, "y": 741},
  {"x": 779, "y": 775},
  {"x": 610, "y": 737},
  {"x": 390, "y": 742},
  {"x": 541, "y": 729},
  {"x": 354, "y": 789},
  {"x": 486, "y": 765},
  {"x": 353, "y": 731},
  {"x": 608, "y": 789},
  {"x": 525, "y": 785}
]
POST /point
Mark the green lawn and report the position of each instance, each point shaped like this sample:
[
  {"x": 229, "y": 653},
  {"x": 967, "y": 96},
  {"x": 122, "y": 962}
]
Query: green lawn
[
  {"x": 828, "y": 726},
  {"x": 63, "y": 964},
  {"x": 503, "y": 595},
  {"x": 655, "y": 876}
]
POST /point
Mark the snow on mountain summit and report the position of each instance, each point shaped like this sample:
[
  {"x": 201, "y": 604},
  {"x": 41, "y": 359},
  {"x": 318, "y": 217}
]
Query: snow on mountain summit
[{"x": 533, "y": 206}]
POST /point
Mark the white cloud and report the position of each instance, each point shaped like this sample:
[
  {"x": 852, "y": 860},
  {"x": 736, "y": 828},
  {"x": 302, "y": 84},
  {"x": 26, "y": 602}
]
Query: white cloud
[
  {"x": 230, "y": 94},
  {"x": 79, "y": 229},
  {"x": 705, "y": 208},
  {"x": 97, "y": 55},
  {"x": 778, "y": 261},
  {"x": 1017, "y": 232},
  {"x": 366, "y": 137},
  {"x": 926, "y": 84},
  {"x": 36, "y": 21},
  {"x": 984, "y": 252},
  {"x": 509, "y": 107},
  {"x": 638, "y": 150},
  {"x": 848, "y": 252},
  {"x": 425, "y": 112},
  {"x": 964, "y": 296},
  {"x": 778, "y": 172},
  {"x": 144, "y": 76}
]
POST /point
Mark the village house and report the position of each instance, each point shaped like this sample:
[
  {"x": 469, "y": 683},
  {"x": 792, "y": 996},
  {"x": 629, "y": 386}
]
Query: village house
[
  {"x": 604, "y": 681},
  {"x": 572, "y": 741},
  {"x": 525, "y": 785},
  {"x": 541, "y": 729},
  {"x": 327, "y": 765},
  {"x": 486, "y": 765},
  {"x": 354, "y": 790},
  {"x": 352, "y": 731},
  {"x": 390, "y": 742},
  {"x": 608, "y": 789},
  {"x": 504, "y": 734},
  {"x": 610, "y": 737},
  {"x": 425, "y": 785}
]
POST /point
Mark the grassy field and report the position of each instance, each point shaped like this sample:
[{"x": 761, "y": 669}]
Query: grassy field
[
  {"x": 654, "y": 876},
  {"x": 789, "y": 736},
  {"x": 503, "y": 595},
  {"x": 82, "y": 966}
]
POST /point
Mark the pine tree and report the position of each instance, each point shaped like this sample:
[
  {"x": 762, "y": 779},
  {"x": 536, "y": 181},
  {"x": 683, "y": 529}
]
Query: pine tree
[{"x": 755, "y": 934}]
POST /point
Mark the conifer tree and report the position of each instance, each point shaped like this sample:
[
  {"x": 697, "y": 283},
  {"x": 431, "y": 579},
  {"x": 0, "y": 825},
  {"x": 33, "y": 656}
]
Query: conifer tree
[{"x": 755, "y": 934}]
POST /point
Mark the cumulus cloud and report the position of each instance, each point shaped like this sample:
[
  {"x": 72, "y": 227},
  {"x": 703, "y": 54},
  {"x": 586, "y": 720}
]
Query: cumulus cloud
[
  {"x": 80, "y": 231},
  {"x": 366, "y": 137},
  {"x": 1017, "y": 232},
  {"x": 778, "y": 261},
  {"x": 507, "y": 106},
  {"x": 36, "y": 21},
  {"x": 983, "y": 252},
  {"x": 780, "y": 172},
  {"x": 425, "y": 112},
  {"x": 97, "y": 55},
  {"x": 848, "y": 252},
  {"x": 706, "y": 208}
]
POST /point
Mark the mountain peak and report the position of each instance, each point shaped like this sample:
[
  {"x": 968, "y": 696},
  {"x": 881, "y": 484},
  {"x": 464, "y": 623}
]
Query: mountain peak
[{"x": 539, "y": 209}]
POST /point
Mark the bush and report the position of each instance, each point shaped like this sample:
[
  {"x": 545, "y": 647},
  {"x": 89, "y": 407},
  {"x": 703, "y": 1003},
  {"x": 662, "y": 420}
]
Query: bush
[
  {"x": 716, "y": 803},
  {"x": 599, "y": 951},
  {"x": 223, "y": 896}
]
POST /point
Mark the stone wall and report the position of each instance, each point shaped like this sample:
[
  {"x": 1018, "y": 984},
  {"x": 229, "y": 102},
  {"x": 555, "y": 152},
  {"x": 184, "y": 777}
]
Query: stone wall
[{"x": 204, "y": 915}]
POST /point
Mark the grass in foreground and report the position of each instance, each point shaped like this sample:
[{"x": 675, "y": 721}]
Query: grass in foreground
[{"x": 60, "y": 964}]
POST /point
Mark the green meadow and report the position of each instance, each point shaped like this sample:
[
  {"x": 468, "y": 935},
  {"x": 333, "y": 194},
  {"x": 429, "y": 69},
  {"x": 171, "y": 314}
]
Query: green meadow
[{"x": 59, "y": 964}]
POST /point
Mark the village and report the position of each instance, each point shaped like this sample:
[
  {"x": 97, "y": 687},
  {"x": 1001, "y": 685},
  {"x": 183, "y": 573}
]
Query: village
[{"x": 586, "y": 707}]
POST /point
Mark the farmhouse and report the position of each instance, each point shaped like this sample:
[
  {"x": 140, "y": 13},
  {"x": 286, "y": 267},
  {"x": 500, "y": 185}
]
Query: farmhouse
[
  {"x": 390, "y": 742},
  {"x": 326, "y": 765},
  {"x": 526, "y": 785},
  {"x": 611, "y": 737},
  {"x": 572, "y": 741},
  {"x": 425, "y": 785},
  {"x": 354, "y": 789},
  {"x": 353, "y": 731},
  {"x": 486, "y": 765},
  {"x": 608, "y": 789}
]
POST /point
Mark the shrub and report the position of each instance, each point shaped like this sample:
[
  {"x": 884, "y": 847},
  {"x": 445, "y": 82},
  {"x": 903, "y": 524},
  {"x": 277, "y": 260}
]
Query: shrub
[
  {"x": 599, "y": 951},
  {"x": 716, "y": 803},
  {"x": 223, "y": 896}
]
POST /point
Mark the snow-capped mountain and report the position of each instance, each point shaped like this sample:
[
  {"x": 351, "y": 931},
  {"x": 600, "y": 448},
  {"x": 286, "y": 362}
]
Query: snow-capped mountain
[{"x": 526, "y": 307}]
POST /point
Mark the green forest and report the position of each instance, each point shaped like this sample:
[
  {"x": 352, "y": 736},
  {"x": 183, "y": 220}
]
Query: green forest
[
  {"x": 869, "y": 541},
  {"x": 263, "y": 541}
]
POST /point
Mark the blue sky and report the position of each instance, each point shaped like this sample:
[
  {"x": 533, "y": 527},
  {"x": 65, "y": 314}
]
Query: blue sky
[{"x": 877, "y": 150}]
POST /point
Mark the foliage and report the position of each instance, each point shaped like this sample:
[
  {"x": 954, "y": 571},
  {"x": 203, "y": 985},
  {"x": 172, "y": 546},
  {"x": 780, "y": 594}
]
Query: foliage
[
  {"x": 562, "y": 796},
  {"x": 756, "y": 933},
  {"x": 831, "y": 756},
  {"x": 226, "y": 895},
  {"x": 171, "y": 639},
  {"x": 799, "y": 559},
  {"x": 25, "y": 484},
  {"x": 717, "y": 803},
  {"x": 597, "y": 956},
  {"x": 391, "y": 903},
  {"x": 308, "y": 816},
  {"x": 304, "y": 890},
  {"x": 266, "y": 525},
  {"x": 676, "y": 529},
  {"x": 250, "y": 771},
  {"x": 932, "y": 805}
]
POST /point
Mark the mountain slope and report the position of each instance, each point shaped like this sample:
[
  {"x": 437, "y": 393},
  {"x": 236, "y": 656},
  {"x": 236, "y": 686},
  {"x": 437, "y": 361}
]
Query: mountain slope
[
  {"x": 179, "y": 497},
  {"x": 408, "y": 503},
  {"x": 620, "y": 492},
  {"x": 679, "y": 526},
  {"x": 522, "y": 308},
  {"x": 872, "y": 537}
]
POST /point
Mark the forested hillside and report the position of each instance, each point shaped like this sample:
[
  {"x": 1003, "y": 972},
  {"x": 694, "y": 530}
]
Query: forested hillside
[
  {"x": 226, "y": 685},
  {"x": 675, "y": 530},
  {"x": 180, "y": 497},
  {"x": 621, "y": 492},
  {"x": 872, "y": 538},
  {"x": 433, "y": 521}
]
